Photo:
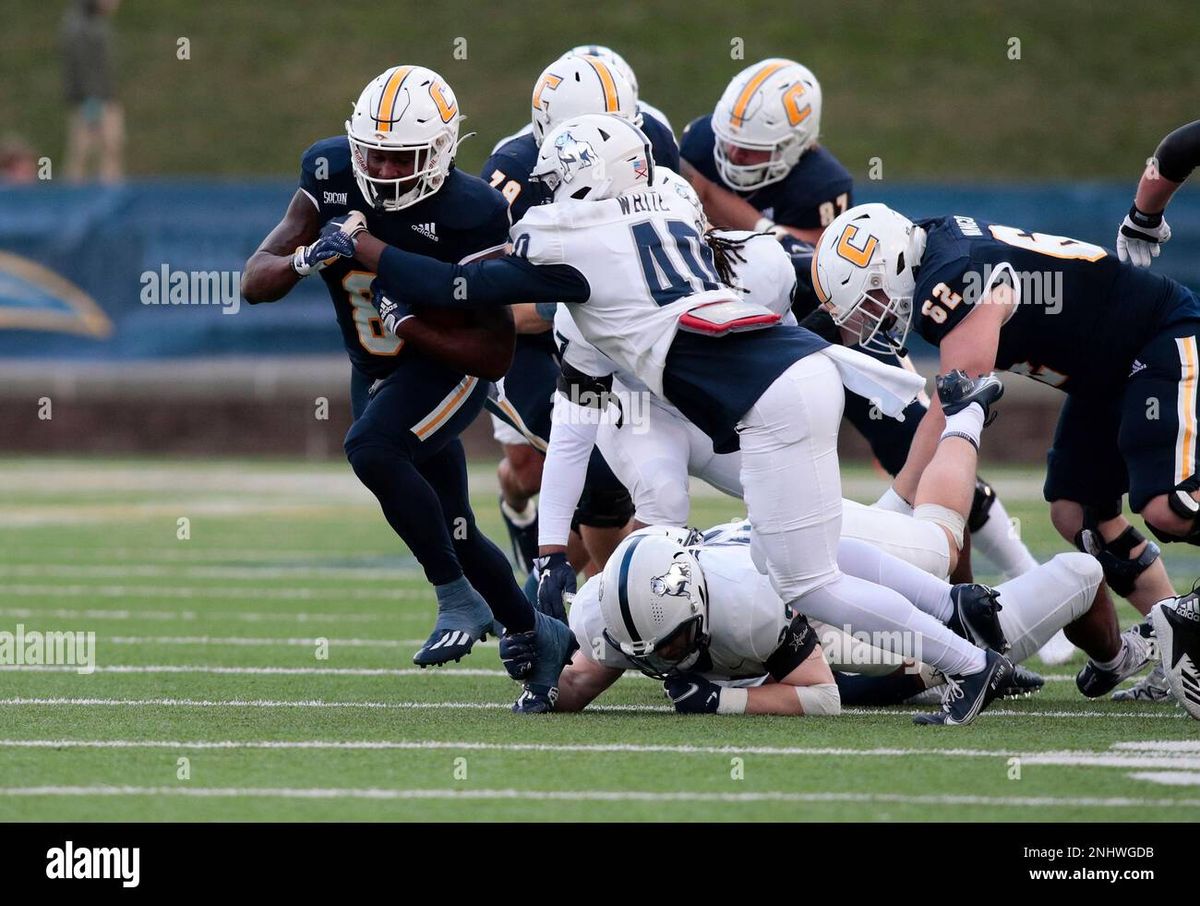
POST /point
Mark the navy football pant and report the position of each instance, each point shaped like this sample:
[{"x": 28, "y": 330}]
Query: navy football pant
[{"x": 405, "y": 449}]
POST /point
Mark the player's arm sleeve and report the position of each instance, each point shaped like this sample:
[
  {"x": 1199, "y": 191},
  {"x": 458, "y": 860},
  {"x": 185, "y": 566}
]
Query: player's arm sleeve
[
  {"x": 795, "y": 645},
  {"x": 490, "y": 237},
  {"x": 1179, "y": 153},
  {"x": 495, "y": 281},
  {"x": 575, "y": 420}
]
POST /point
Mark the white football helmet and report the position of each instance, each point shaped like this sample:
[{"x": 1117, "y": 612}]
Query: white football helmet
[
  {"x": 654, "y": 601},
  {"x": 575, "y": 85},
  {"x": 771, "y": 106},
  {"x": 594, "y": 157},
  {"x": 406, "y": 108},
  {"x": 864, "y": 273},
  {"x": 609, "y": 56}
]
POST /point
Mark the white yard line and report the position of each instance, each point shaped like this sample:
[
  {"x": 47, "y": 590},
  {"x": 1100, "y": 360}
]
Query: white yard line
[
  {"x": 148, "y": 570},
  {"x": 1168, "y": 778},
  {"x": 258, "y": 671},
  {"x": 247, "y": 616},
  {"x": 1099, "y": 759},
  {"x": 200, "y": 592},
  {"x": 374, "y": 793},
  {"x": 501, "y": 706}
]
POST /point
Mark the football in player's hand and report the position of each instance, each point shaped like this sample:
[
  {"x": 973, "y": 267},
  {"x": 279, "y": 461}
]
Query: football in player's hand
[{"x": 445, "y": 318}]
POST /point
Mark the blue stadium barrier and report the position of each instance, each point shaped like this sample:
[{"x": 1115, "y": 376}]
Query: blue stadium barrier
[{"x": 80, "y": 266}]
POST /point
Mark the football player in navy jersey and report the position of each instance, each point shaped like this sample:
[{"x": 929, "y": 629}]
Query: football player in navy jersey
[
  {"x": 396, "y": 164},
  {"x": 584, "y": 80},
  {"x": 1119, "y": 341},
  {"x": 755, "y": 161}
]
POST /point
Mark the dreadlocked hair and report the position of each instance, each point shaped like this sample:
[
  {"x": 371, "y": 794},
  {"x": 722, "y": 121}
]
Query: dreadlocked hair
[{"x": 726, "y": 253}]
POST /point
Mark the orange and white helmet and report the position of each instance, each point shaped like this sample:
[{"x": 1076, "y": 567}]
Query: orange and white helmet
[
  {"x": 609, "y": 56},
  {"x": 864, "y": 273},
  {"x": 771, "y": 106},
  {"x": 576, "y": 85},
  {"x": 406, "y": 108}
]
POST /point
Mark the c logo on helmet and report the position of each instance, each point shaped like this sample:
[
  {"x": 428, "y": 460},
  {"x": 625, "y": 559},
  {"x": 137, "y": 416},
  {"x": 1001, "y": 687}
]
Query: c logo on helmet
[
  {"x": 549, "y": 80},
  {"x": 857, "y": 256},
  {"x": 446, "y": 109}
]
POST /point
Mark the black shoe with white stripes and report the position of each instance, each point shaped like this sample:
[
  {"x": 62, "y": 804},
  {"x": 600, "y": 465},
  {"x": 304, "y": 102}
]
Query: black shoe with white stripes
[
  {"x": 455, "y": 634},
  {"x": 966, "y": 696},
  {"x": 1177, "y": 628},
  {"x": 976, "y": 616}
]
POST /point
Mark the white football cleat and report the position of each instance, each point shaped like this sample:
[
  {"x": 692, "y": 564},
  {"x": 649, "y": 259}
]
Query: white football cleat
[{"x": 1177, "y": 628}]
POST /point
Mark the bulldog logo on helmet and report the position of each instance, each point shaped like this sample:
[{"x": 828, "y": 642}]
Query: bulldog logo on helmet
[
  {"x": 573, "y": 155},
  {"x": 673, "y": 582}
]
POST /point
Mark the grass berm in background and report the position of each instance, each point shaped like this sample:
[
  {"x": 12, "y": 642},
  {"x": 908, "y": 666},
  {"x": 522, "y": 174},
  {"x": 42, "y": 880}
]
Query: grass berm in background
[{"x": 927, "y": 86}]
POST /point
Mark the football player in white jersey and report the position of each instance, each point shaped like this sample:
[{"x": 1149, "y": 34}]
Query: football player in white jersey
[
  {"x": 693, "y": 610},
  {"x": 639, "y": 282}
]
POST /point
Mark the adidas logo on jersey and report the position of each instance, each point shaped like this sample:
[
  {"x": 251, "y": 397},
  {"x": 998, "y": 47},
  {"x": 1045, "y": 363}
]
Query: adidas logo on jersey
[
  {"x": 428, "y": 230},
  {"x": 1137, "y": 366}
]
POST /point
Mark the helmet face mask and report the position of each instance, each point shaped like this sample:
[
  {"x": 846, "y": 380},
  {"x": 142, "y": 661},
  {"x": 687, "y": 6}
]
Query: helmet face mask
[
  {"x": 405, "y": 122},
  {"x": 677, "y": 652},
  {"x": 864, "y": 273},
  {"x": 778, "y": 163}
]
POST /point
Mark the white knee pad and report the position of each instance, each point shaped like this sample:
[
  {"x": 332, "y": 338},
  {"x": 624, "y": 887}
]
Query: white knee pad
[
  {"x": 821, "y": 699},
  {"x": 953, "y": 522}
]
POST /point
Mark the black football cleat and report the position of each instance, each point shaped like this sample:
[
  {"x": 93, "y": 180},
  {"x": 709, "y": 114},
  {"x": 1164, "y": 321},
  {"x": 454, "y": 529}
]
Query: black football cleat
[
  {"x": 956, "y": 391},
  {"x": 966, "y": 696},
  {"x": 1177, "y": 627},
  {"x": 976, "y": 616},
  {"x": 1023, "y": 683},
  {"x": 1094, "y": 681},
  {"x": 457, "y": 630}
]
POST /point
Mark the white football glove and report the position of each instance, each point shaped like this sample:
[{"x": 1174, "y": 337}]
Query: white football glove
[{"x": 1141, "y": 236}]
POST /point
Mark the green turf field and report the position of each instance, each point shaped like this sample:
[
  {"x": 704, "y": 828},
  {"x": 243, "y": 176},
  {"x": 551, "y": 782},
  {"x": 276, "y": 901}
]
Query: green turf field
[{"x": 207, "y": 651}]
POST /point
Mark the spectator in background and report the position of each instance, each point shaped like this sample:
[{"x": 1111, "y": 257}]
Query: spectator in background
[
  {"x": 96, "y": 123},
  {"x": 18, "y": 163}
]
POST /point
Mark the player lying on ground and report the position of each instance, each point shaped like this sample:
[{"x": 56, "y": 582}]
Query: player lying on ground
[
  {"x": 613, "y": 241},
  {"x": 716, "y": 620},
  {"x": 393, "y": 173},
  {"x": 1119, "y": 341}
]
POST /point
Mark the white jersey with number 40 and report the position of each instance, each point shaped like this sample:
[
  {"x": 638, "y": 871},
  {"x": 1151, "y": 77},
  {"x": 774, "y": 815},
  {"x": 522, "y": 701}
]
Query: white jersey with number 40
[
  {"x": 645, "y": 262},
  {"x": 763, "y": 273}
]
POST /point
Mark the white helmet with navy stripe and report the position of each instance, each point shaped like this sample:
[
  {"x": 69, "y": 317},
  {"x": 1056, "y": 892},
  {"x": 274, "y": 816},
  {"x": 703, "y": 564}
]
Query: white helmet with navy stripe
[
  {"x": 594, "y": 157},
  {"x": 407, "y": 109},
  {"x": 573, "y": 85},
  {"x": 773, "y": 107},
  {"x": 864, "y": 273},
  {"x": 654, "y": 602}
]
